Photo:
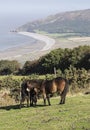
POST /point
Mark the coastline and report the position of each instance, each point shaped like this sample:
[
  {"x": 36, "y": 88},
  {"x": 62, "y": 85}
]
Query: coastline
[
  {"x": 31, "y": 51},
  {"x": 42, "y": 45},
  {"x": 48, "y": 41}
]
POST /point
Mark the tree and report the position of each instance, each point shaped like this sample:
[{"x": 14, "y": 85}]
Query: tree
[{"x": 9, "y": 67}]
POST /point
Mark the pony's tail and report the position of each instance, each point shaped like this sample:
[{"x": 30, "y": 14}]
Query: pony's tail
[{"x": 66, "y": 89}]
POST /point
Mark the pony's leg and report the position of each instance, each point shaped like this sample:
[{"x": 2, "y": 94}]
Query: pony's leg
[
  {"x": 62, "y": 99},
  {"x": 31, "y": 102},
  {"x": 44, "y": 98},
  {"x": 20, "y": 104},
  {"x": 27, "y": 102},
  {"x": 45, "y": 101},
  {"x": 48, "y": 99},
  {"x": 35, "y": 104},
  {"x": 21, "y": 101},
  {"x": 64, "y": 93}
]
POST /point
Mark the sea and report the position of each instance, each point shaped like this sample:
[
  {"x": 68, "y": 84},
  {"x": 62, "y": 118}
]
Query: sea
[
  {"x": 12, "y": 39},
  {"x": 14, "y": 46}
]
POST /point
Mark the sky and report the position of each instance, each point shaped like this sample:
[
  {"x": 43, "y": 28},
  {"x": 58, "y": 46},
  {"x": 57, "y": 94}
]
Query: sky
[{"x": 14, "y": 13}]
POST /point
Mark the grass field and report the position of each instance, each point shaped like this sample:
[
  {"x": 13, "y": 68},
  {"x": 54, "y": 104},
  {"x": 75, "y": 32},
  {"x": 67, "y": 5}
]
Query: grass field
[{"x": 74, "y": 115}]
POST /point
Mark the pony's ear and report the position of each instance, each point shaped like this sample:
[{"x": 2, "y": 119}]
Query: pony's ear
[{"x": 29, "y": 84}]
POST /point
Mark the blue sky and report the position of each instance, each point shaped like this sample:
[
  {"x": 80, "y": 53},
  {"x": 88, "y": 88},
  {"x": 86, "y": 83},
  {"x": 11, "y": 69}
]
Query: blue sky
[
  {"x": 8, "y": 7},
  {"x": 22, "y": 11}
]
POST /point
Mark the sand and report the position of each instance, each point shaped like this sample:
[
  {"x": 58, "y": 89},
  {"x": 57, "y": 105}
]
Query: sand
[
  {"x": 49, "y": 42},
  {"x": 43, "y": 45}
]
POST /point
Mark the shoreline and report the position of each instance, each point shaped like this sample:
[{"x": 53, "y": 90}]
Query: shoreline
[
  {"x": 41, "y": 46},
  {"x": 48, "y": 41}
]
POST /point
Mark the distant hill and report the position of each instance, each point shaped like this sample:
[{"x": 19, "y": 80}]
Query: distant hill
[{"x": 67, "y": 22}]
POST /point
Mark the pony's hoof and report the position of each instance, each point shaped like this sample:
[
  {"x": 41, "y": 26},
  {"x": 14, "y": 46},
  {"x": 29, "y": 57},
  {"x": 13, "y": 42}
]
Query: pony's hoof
[
  {"x": 61, "y": 103},
  {"x": 31, "y": 105}
]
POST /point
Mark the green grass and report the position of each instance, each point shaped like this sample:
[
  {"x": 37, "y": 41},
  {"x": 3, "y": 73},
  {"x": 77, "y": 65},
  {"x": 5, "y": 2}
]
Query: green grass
[
  {"x": 74, "y": 115},
  {"x": 58, "y": 35}
]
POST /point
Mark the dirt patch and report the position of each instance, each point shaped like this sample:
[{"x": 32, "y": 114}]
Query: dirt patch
[{"x": 5, "y": 98}]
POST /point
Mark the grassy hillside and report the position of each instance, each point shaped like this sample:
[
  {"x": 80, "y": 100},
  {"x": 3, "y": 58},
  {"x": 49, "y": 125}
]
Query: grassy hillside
[
  {"x": 74, "y": 115},
  {"x": 68, "y": 22}
]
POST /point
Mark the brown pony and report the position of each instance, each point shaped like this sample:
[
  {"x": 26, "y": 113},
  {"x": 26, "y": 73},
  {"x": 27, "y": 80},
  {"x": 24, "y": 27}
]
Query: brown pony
[
  {"x": 35, "y": 84},
  {"x": 28, "y": 92},
  {"x": 59, "y": 85}
]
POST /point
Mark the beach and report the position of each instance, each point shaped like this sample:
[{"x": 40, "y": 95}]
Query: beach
[
  {"x": 42, "y": 45},
  {"x": 31, "y": 51},
  {"x": 49, "y": 42}
]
